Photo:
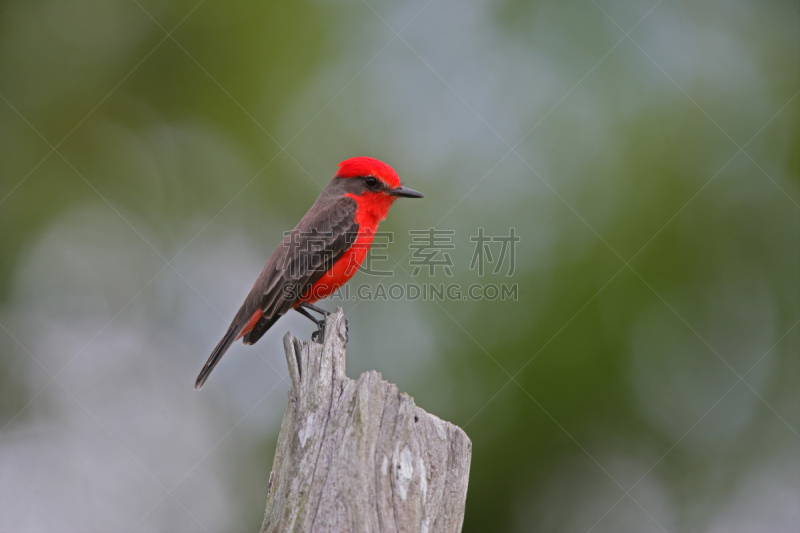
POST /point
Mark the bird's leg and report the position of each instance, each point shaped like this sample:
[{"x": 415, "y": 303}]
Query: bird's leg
[
  {"x": 320, "y": 323},
  {"x": 318, "y": 335},
  {"x": 314, "y": 308}
]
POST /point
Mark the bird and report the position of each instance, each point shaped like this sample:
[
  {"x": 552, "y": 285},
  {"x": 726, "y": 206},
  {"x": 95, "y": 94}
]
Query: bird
[{"x": 319, "y": 255}]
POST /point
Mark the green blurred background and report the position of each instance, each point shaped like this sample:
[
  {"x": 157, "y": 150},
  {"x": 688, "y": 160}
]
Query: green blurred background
[{"x": 646, "y": 153}]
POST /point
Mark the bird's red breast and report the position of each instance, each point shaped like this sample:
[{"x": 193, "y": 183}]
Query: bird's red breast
[
  {"x": 369, "y": 213},
  {"x": 341, "y": 271}
]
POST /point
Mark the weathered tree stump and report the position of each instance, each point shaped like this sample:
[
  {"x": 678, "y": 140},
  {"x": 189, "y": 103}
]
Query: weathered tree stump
[{"x": 358, "y": 455}]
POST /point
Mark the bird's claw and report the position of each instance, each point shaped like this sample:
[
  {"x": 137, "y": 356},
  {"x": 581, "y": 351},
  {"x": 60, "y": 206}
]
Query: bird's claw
[{"x": 319, "y": 335}]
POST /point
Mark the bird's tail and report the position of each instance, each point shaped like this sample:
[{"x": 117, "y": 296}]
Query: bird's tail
[{"x": 217, "y": 354}]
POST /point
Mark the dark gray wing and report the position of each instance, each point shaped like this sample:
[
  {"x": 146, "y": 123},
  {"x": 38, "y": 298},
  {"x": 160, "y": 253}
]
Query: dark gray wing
[
  {"x": 320, "y": 239},
  {"x": 323, "y": 235}
]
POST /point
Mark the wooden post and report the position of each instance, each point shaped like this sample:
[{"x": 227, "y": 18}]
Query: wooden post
[{"x": 358, "y": 455}]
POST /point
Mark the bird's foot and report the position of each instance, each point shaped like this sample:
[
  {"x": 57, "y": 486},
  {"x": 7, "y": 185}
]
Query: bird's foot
[{"x": 319, "y": 335}]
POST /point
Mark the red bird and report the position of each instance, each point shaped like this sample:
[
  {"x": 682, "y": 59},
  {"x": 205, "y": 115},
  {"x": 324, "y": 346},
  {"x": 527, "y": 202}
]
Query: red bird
[{"x": 319, "y": 255}]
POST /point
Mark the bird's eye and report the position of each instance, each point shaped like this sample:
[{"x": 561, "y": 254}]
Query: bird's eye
[{"x": 371, "y": 182}]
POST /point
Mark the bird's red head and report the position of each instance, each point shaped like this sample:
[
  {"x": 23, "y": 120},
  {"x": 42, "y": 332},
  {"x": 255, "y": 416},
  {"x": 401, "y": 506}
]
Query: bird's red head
[
  {"x": 362, "y": 167},
  {"x": 374, "y": 185}
]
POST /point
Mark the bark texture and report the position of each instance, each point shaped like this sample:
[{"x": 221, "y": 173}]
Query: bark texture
[{"x": 356, "y": 455}]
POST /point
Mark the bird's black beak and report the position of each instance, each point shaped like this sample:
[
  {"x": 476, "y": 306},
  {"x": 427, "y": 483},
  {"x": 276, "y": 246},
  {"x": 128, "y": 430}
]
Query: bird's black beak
[{"x": 405, "y": 192}]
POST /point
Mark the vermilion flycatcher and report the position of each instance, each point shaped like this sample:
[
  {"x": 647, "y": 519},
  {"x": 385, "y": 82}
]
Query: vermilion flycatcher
[{"x": 319, "y": 255}]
